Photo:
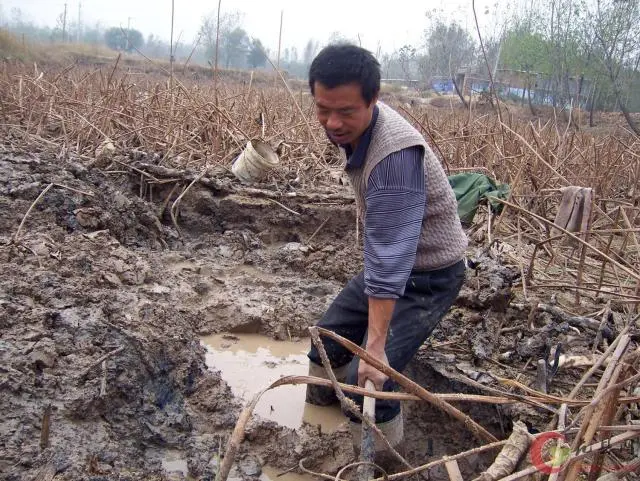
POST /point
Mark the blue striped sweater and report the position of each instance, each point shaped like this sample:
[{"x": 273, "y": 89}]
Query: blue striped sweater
[{"x": 395, "y": 199}]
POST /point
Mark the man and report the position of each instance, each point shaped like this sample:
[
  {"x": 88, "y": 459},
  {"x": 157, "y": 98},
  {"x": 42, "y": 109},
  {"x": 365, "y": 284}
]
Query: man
[{"x": 414, "y": 243}]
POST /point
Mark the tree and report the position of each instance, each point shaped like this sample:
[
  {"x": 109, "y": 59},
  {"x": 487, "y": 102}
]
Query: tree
[
  {"x": 449, "y": 47},
  {"x": 16, "y": 17},
  {"x": 310, "y": 51},
  {"x": 524, "y": 49},
  {"x": 587, "y": 53},
  {"x": 155, "y": 47},
  {"x": 229, "y": 21},
  {"x": 339, "y": 38},
  {"x": 234, "y": 47},
  {"x": 256, "y": 56},
  {"x": 120, "y": 39},
  {"x": 93, "y": 35},
  {"x": 407, "y": 57},
  {"x": 615, "y": 27}
]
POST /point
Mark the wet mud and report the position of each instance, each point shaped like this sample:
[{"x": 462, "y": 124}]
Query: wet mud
[{"x": 104, "y": 305}]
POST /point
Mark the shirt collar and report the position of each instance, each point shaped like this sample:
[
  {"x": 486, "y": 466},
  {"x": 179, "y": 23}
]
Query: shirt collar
[{"x": 355, "y": 158}]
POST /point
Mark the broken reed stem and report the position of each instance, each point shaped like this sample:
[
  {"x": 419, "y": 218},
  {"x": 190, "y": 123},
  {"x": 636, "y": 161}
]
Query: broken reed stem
[
  {"x": 417, "y": 470},
  {"x": 45, "y": 428},
  {"x": 284, "y": 207},
  {"x": 317, "y": 230},
  {"x": 608, "y": 247},
  {"x": 99, "y": 361},
  {"x": 521, "y": 264},
  {"x": 633, "y": 274},
  {"x": 238, "y": 433},
  {"x": 592, "y": 413},
  {"x": 576, "y": 456},
  {"x": 293, "y": 97},
  {"x": 71, "y": 189},
  {"x": 550, "y": 399},
  {"x": 103, "y": 382},
  {"x": 603, "y": 322},
  {"x": 633, "y": 236},
  {"x": 215, "y": 67},
  {"x": 583, "y": 253},
  {"x": 16, "y": 236},
  {"x": 348, "y": 404},
  {"x": 478, "y": 431}
]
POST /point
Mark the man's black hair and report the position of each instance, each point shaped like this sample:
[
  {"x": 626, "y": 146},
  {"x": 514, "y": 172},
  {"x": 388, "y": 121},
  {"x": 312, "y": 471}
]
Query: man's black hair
[{"x": 343, "y": 64}]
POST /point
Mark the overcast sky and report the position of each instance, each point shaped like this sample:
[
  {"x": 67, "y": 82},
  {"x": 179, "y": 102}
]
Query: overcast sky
[{"x": 393, "y": 23}]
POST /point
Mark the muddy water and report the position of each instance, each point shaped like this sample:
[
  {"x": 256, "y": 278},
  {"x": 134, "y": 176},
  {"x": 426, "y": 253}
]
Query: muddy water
[
  {"x": 175, "y": 462},
  {"x": 250, "y": 362}
]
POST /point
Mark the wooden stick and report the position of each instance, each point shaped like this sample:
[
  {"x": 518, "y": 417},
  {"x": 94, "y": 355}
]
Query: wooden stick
[
  {"x": 348, "y": 404},
  {"x": 478, "y": 431},
  {"x": 317, "y": 230},
  {"x": 98, "y": 362},
  {"x": 45, "y": 428},
  {"x": 453, "y": 470},
  {"x": 33, "y": 204},
  {"x": 367, "y": 448}
]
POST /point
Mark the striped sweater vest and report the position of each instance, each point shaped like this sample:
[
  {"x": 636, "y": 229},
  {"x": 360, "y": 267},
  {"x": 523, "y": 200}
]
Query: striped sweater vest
[{"x": 442, "y": 240}]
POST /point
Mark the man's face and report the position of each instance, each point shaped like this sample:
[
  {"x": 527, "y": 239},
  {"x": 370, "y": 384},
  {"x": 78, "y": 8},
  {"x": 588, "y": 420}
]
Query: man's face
[{"x": 342, "y": 112}]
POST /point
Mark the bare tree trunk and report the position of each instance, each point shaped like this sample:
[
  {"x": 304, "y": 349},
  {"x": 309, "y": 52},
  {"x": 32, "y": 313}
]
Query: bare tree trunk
[
  {"x": 625, "y": 113},
  {"x": 593, "y": 105},
  {"x": 621, "y": 104},
  {"x": 533, "y": 111},
  {"x": 460, "y": 94}
]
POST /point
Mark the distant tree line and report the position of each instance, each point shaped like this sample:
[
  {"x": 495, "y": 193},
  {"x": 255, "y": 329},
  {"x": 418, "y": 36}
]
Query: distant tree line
[
  {"x": 568, "y": 52},
  {"x": 565, "y": 53}
]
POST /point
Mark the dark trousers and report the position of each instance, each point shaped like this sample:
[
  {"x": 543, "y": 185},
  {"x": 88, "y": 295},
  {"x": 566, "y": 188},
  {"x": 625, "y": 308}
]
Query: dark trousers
[{"x": 427, "y": 298}]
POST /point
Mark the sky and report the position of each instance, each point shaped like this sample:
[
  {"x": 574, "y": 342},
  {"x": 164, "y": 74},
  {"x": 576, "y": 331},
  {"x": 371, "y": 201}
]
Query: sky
[{"x": 390, "y": 23}]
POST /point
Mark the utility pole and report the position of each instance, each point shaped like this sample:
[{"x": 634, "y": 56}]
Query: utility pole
[
  {"x": 275, "y": 80},
  {"x": 128, "y": 31},
  {"x": 280, "y": 38},
  {"x": 64, "y": 24},
  {"x": 79, "y": 26}
]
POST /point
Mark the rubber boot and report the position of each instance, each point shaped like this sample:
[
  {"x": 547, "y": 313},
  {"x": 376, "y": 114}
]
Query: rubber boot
[
  {"x": 321, "y": 395},
  {"x": 393, "y": 430}
]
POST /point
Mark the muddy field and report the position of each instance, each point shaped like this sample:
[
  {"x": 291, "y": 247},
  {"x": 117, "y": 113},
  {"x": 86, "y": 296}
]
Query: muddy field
[
  {"x": 105, "y": 300},
  {"x": 103, "y": 303}
]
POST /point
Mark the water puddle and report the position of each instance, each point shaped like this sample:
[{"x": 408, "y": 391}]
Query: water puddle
[
  {"x": 250, "y": 362},
  {"x": 175, "y": 462}
]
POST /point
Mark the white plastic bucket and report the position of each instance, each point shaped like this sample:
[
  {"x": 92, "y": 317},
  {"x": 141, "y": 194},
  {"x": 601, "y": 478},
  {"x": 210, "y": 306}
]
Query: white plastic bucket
[{"x": 255, "y": 161}]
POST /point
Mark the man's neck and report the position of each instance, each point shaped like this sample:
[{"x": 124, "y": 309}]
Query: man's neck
[{"x": 355, "y": 143}]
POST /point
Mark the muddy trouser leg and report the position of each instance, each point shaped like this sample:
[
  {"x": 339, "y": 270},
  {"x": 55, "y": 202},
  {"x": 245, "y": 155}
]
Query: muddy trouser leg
[
  {"x": 347, "y": 316},
  {"x": 427, "y": 298}
]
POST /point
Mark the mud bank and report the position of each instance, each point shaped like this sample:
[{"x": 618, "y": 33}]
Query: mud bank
[{"x": 103, "y": 303}]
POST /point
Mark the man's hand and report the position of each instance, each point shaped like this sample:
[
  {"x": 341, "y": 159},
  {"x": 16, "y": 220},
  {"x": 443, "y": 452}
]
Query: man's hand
[
  {"x": 365, "y": 371},
  {"x": 380, "y": 313}
]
